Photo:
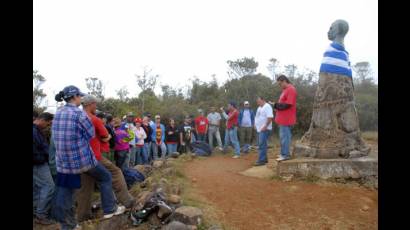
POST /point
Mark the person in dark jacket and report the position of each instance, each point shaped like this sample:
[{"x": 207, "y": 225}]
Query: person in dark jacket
[
  {"x": 171, "y": 136},
  {"x": 43, "y": 184},
  {"x": 147, "y": 141}
]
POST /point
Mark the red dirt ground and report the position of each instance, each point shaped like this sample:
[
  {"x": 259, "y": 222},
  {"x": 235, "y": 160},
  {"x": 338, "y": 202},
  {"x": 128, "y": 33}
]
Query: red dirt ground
[{"x": 252, "y": 203}]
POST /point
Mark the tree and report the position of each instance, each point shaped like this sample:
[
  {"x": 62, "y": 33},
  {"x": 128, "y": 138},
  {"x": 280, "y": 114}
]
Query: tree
[
  {"x": 95, "y": 87},
  {"x": 290, "y": 70},
  {"x": 146, "y": 81},
  {"x": 363, "y": 72},
  {"x": 122, "y": 93},
  {"x": 272, "y": 67},
  {"x": 242, "y": 67},
  {"x": 38, "y": 94}
]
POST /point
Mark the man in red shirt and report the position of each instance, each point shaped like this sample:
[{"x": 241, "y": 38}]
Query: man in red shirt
[
  {"x": 87, "y": 183},
  {"x": 201, "y": 126},
  {"x": 285, "y": 115},
  {"x": 231, "y": 132}
]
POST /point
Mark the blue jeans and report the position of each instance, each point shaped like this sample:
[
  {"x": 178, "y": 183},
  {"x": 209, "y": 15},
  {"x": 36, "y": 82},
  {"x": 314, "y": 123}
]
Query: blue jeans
[
  {"x": 121, "y": 159},
  {"x": 285, "y": 139},
  {"x": 172, "y": 148},
  {"x": 193, "y": 138},
  {"x": 63, "y": 208},
  {"x": 263, "y": 145},
  {"x": 103, "y": 178},
  {"x": 133, "y": 156},
  {"x": 43, "y": 190},
  {"x": 141, "y": 155},
  {"x": 148, "y": 150},
  {"x": 155, "y": 150},
  {"x": 201, "y": 137},
  {"x": 231, "y": 137}
]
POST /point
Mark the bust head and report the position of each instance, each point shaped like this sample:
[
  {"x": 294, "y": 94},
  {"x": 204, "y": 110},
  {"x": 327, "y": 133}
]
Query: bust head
[{"x": 338, "y": 31}]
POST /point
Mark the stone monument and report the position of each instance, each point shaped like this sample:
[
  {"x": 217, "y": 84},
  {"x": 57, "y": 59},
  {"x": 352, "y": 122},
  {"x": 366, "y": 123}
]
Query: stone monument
[
  {"x": 333, "y": 146},
  {"x": 334, "y": 130}
]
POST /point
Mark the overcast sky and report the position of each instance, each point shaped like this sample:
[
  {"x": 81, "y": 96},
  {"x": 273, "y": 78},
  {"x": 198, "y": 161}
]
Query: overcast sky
[{"x": 179, "y": 39}]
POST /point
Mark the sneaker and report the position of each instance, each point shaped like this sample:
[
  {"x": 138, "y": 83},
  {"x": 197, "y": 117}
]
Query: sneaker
[
  {"x": 235, "y": 157},
  {"x": 281, "y": 158},
  {"x": 120, "y": 210},
  {"x": 78, "y": 227},
  {"x": 44, "y": 221},
  {"x": 221, "y": 149},
  {"x": 259, "y": 163}
]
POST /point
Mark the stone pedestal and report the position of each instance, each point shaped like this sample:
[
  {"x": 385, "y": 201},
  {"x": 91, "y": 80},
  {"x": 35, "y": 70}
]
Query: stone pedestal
[{"x": 362, "y": 167}]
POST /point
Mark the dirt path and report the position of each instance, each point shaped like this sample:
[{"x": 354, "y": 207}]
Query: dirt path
[{"x": 247, "y": 203}]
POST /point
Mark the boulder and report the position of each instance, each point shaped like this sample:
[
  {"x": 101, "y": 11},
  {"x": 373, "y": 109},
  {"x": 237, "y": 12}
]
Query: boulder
[
  {"x": 157, "y": 164},
  {"x": 188, "y": 215}
]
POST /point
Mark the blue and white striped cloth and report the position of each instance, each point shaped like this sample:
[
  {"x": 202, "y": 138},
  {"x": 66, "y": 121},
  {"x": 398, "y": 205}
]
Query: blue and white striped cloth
[{"x": 336, "y": 60}]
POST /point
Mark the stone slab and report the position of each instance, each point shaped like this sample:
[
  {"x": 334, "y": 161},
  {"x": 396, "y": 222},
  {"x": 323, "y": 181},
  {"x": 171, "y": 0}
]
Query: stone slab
[{"x": 330, "y": 168}]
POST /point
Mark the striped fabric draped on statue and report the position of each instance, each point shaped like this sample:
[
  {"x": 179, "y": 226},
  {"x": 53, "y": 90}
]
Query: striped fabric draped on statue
[{"x": 336, "y": 60}]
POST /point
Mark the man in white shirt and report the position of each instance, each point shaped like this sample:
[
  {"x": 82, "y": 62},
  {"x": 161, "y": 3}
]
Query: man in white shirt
[
  {"x": 214, "y": 119},
  {"x": 263, "y": 126}
]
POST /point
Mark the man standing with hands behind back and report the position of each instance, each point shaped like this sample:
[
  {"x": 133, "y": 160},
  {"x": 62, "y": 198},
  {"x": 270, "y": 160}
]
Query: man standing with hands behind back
[{"x": 263, "y": 125}]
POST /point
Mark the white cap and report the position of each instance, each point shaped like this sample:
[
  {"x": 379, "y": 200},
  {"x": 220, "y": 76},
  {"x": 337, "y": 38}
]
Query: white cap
[{"x": 246, "y": 103}]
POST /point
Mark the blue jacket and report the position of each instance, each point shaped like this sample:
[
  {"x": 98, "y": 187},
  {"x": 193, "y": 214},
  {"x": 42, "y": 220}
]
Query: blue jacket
[
  {"x": 40, "y": 147},
  {"x": 154, "y": 132},
  {"x": 241, "y": 116}
]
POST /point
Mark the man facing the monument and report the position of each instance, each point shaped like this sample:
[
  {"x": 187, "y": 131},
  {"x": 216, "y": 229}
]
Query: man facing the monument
[{"x": 285, "y": 115}]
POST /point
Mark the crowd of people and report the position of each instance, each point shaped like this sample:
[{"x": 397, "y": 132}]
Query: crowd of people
[{"x": 87, "y": 147}]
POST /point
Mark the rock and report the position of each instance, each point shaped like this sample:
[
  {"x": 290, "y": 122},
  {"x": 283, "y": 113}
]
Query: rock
[
  {"x": 287, "y": 178},
  {"x": 157, "y": 164},
  {"x": 365, "y": 208},
  {"x": 174, "y": 199},
  {"x": 175, "y": 225},
  {"x": 189, "y": 215}
]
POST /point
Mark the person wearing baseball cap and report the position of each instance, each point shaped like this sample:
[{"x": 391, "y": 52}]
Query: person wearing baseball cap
[
  {"x": 231, "y": 132},
  {"x": 246, "y": 122}
]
